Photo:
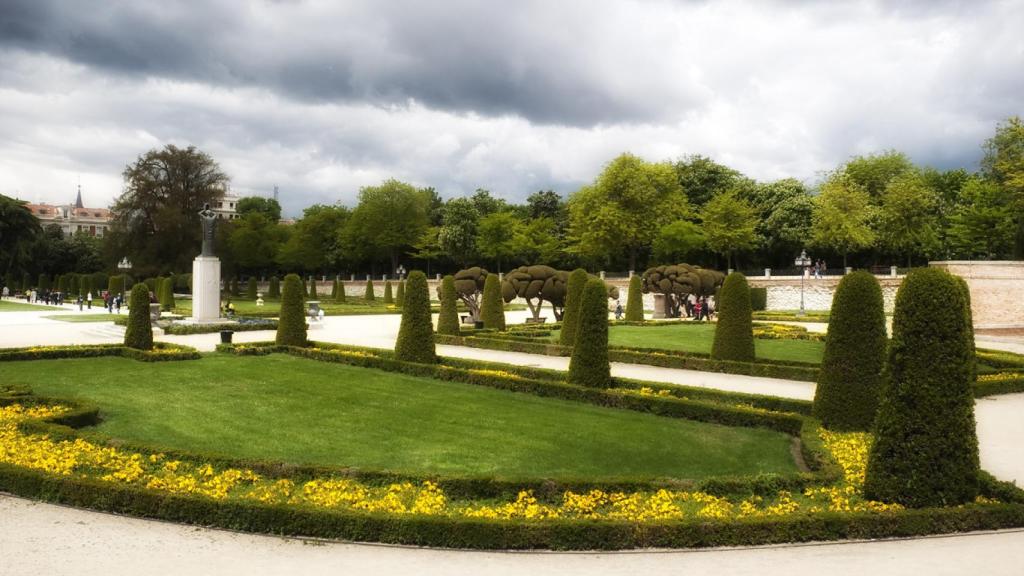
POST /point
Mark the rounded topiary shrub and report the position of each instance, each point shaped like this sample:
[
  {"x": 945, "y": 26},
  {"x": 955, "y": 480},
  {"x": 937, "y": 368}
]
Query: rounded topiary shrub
[
  {"x": 416, "y": 335},
  {"x": 166, "y": 295},
  {"x": 734, "y": 333},
  {"x": 573, "y": 298},
  {"x": 369, "y": 295},
  {"x": 388, "y": 297},
  {"x": 589, "y": 364},
  {"x": 139, "y": 333},
  {"x": 400, "y": 294},
  {"x": 250, "y": 288},
  {"x": 851, "y": 371},
  {"x": 758, "y": 299},
  {"x": 291, "y": 326},
  {"x": 925, "y": 450},
  {"x": 275, "y": 288},
  {"x": 492, "y": 308},
  {"x": 448, "y": 320},
  {"x": 339, "y": 296},
  {"x": 635, "y": 300}
]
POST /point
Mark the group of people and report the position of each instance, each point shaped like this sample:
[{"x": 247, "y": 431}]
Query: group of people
[
  {"x": 819, "y": 269},
  {"x": 698, "y": 308}
]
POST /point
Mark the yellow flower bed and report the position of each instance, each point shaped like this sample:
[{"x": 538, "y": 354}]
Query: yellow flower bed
[
  {"x": 495, "y": 373},
  {"x": 80, "y": 458},
  {"x": 1000, "y": 376}
]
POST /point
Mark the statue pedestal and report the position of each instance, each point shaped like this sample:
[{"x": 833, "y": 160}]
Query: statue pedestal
[{"x": 205, "y": 289}]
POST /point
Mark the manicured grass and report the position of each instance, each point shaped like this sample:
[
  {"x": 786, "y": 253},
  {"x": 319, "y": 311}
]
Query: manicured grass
[
  {"x": 694, "y": 337},
  {"x": 103, "y": 317},
  {"x": 16, "y": 306},
  {"x": 301, "y": 411},
  {"x": 272, "y": 307}
]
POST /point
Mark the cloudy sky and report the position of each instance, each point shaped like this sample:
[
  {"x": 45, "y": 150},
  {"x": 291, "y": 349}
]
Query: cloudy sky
[{"x": 323, "y": 97}]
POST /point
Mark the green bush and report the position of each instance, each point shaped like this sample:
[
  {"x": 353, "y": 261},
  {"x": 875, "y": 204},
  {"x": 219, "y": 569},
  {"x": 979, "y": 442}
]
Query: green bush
[
  {"x": 635, "y": 300},
  {"x": 368, "y": 295},
  {"x": 388, "y": 297},
  {"x": 250, "y": 288},
  {"x": 448, "y": 320},
  {"x": 233, "y": 287},
  {"x": 400, "y": 294},
  {"x": 758, "y": 299},
  {"x": 851, "y": 371},
  {"x": 734, "y": 333},
  {"x": 166, "y": 295},
  {"x": 340, "y": 295},
  {"x": 925, "y": 451},
  {"x": 573, "y": 298},
  {"x": 139, "y": 334},
  {"x": 589, "y": 364},
  {"x": 416, "y": 335},
  {"x": 492, "y": 308},
  {"x": 114, "y": 284},
  {"x": 291, "y": 326},
  {"x": 312, "y": 288},
  {"x": 275, "y": 288},
  {"x": 334, "y": 289}
]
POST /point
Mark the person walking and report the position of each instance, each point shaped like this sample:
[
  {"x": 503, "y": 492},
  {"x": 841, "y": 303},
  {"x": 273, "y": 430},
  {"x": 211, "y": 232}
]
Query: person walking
[
  {"x": 117, "y": 303},
  {"x": 696, "y": 310},
  {"x": 618, "y": 310},
  {"x": 88, "y": 300}
]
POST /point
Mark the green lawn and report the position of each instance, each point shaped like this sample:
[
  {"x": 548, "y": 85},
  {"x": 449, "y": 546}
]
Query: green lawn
[
  {"x": 16, "y": 306},
  {"x": 302, "y": 411},
  {"x": 699, "y": 337},
  {"x": 103, "y": 317},
  {"x": 244, "y": 307}
]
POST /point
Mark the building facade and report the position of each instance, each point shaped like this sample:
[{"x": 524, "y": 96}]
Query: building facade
[
  {"x": 73, "y": 218},
  {"x": 226, "y": 206}
]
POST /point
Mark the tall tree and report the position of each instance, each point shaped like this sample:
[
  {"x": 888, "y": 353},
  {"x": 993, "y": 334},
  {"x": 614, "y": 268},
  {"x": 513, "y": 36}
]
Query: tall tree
[
  {"x": 19, "y": 228},
  {"x": 702, "y": 178},
  {"x": 545, "y": 204},
  {"x": 255, "y": 241},
  {"x": 313, "y": 243},
  {"x": 1003, "y": 164},
  {"x": 458, "y": 233},
  {"x": 983, "y": 224},
  {"x": 156, "y": 218},
  {"x": 909, "y": 218},
  {"x": 269, "y": 207},
  {"x": 623, "y": 210},
  {"x": 842, "y": 218},
  {"x": 389, "y": 218},
  {"x": 538, "y": 241},
  {"x": 486, "y": 204},
  {"x": 729, "y": 225},
  {"x": 677, "y": 242},
  {"x": 874, "y": 171},
  {"x": 496, "y": 237}
]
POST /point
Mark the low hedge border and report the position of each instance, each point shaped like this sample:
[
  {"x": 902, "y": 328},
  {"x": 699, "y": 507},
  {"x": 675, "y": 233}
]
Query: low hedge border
[
  {"x": 162, "y": 351},
  {"x": 243, "y": 325},
  {"x": 1009, "y": 385}
]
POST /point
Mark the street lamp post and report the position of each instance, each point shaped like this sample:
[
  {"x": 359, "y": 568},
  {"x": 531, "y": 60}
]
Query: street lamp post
[
  {"x": 803, "y": 262},
  {"x": 400, "y": 271},
  {"x": 124, "y": 265}
]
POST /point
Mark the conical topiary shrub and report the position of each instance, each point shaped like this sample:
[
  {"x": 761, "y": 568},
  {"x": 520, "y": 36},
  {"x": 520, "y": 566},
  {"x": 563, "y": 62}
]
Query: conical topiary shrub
[
  {"x": 291, "y": 325},
  {"x": 734, "y": 333},
  {"x": 925, "y": 450},
  {"x": 851, "y": 372},
  {"x": 167, "y": 295},
  {"x": 250, "y": 288},
  {"x": 492, "y": 308},
  {"x": 573, "y": 297},
  {"x": 589, "y": 364},
  {"x": 235, "y": 291},
  {"x": 139, "y": 333},
  {"x": 635, "y": 300},
  {"x": 369, "y": 295},
  {"x": 400, "y": 294},
  {"x": 388, "y": 297},
  {"x": 275, "y": 288},
  {"x": 448, "y": 320},
  {"x": 334, "y": 289},
  {"x": 339, "y": 296},
  {"x": 312, "y": 288},
  {"x": 416, "y": 335}
]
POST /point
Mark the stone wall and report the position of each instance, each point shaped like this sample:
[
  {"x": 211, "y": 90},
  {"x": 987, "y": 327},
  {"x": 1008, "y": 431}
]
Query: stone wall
[{"x": 997, "y": 290}]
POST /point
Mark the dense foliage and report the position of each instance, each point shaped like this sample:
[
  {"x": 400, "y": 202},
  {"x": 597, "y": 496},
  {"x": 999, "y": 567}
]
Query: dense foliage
[
  {"x": 415, "y": 341},
  {"x": 492, "y": 308},
  {"x": 139, "y": 332},
  {"x": 573, "y": 299},
  {"x": 635, "y": 300},
  {"x": 589, "y": 364},
  {"x": 448, "y": 319},
  {"x": 291, "y": 327},
  {"x": 734, "y": 333}
]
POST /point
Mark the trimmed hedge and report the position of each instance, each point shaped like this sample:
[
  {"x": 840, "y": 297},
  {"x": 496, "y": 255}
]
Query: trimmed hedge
[
  {"x": 492, "y": 308},
  {"x": 388, "y": 297},
  {"x": 589, "y": 363},
  {"x": 851, "y": 371},
  {"x": 369, "y": 296},
  {"x": 734, "y": 332},
  {"x": 312, "y": 288},
  {"x": 635, "y": 300},
  {"x": 339, "y": 295},
  {"x": 291, "y": 328},
  {"x": 243, "y": 325},
  {"x": 275, "y": 288},
  {"x": 925, "y": 451},
  {"x": 448, "y": 320},
  {"x": 167, "y": 295},
  {"x": 758, "y": 299},
  {"x": 139, "y": 334},
  {"x": 400, "y": 294},
  {"x": 250, "y": 288},
  {"x": 573, "y": 298},
  {"x": 415, "y": 341},
  {"x": 161, "y": 351}
]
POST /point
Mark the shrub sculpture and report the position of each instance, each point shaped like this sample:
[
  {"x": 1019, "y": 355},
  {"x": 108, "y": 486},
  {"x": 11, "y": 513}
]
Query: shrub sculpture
[
  {"x": 758, "y": 299},
  {"x": 448, "y": 320},
  {"x": 388, "y": 297},
  {"x": 734, "y": 333},
  {"x": 167, "y": 295},
  {"x": 400, "y": 294},
  {"x": 492, "y": 310},
  {"x": 635, "y": 300},
  {"x": 369, "y": 296},
  {"x": 851, "y": 371},
  {"x": 334, "y": 289},
  {"x": 312, "y": 288},
  {"x": 469, "y": 287},
  {"x": 589, "y": 364},
  {"x": 679, "y": 281},
  {"x": 925, "y": 451},
  {"x": 250, "y": 288},
  {"x": 535, "y": 284},
  {"x": 291, "y": 327},
  {"x": 139, "y": 333},
  {"x": 416, "y": 335},
  {"x": 339, "y": 295},
  {"x": 573, "y": 296},
  {"x": 234, "y": 287},
  {"x": 275, "y": 288}
]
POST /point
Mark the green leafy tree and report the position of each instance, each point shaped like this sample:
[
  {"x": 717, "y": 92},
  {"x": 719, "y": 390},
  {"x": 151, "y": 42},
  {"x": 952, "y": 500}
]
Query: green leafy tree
[
  {"x": 729, "y": 225},
  {"x": 428, "y": 246},
  {"x": 846, "y": 397},
  {"x": 255, "y": 241},
  {"x": 623, "y": 210},
  {"x": 874, "y": 172},
  {"x": 457, "y": 236},
  {"x": 268, "y": 207},
  {"x": 19, "y": 229},
  {"x": 492, "y": 309},
  {"x": 635, "y": 300},
  {"x": 1003, "y": 164},
  {"x": 291, "y": 324},
  {"x": 538, "y": 240},
  {"x": 677, "y": 241},
  {"x": 388, "y": 219},
  {"x": 702, "y": 178},
  {"x": 734, "y": 332},
  {"x": 415, "y": 341},
  {"x": 573, "y": 299},
  {"x": 589, "y": 364},
  {"x": 448, "y": 320},
  {"x": 983, "y": 225},
  {"x": 139, "y": 331},
  {"x": 925, "y": 450},
  {"x": 315, "y": 243},
  {"x": 909, "y": 218},
  {"x": 496, "y": 236},
  {"x": 545, "y": 204},
  {"x": 842, "y": 220}
]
